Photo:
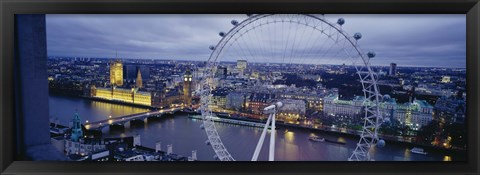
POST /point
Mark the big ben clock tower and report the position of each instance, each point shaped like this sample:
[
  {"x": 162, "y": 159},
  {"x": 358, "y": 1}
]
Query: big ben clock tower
[{"x": 187, "y": 87}]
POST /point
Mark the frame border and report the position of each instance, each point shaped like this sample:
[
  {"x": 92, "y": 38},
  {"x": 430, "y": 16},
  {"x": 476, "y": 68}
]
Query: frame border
[{"x": 9, "y": 8}]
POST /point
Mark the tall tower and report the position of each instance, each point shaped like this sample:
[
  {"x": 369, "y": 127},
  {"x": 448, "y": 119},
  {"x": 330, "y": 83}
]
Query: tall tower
[
  {"x": 77, "y": 132},
  {"x": 139, "y": 79},
  {"x": 93, "y": 91},
  {"x": 187, "y": 87},
  {"x": 393, "y": 69},
  {"x": 241, "y": 66},
  {"x": 116, "y": 73}
]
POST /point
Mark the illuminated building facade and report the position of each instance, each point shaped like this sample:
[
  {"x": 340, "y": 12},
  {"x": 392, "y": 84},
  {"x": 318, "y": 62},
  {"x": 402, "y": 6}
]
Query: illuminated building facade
[
  {"x": 257, "y": 102},
  {"x": 123, "y": 95},
  {"x": 218, "y": 100},
  {"x": 241, "y": 66},
  {"x": 116, "y": 73},
  {"x": 446, "y": 79},
  {"x": 314, "y": 101},
  {"x": 336, "y": 107},
  {"x": 292, "y": 110},
  {"x": 415, "y": 114}
]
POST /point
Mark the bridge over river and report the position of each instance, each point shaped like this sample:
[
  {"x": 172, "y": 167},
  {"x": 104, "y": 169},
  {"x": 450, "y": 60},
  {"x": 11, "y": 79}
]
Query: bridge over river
[{"x": 99, "y": 125}]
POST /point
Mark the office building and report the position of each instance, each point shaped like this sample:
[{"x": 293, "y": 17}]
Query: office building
[{"x": 393, "y": 69}]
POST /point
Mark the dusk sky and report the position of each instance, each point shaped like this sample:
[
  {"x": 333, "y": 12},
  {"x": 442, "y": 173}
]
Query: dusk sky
[{"x": 408, "y": 40}]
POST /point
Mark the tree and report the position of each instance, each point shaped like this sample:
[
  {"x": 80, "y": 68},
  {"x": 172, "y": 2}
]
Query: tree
[
  {"x": 427, "y": 133},
  {"x": 457, "y": 133}
]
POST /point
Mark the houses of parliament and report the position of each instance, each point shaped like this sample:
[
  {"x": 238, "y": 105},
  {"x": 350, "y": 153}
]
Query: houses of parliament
[{"x": 128, "y": 89}]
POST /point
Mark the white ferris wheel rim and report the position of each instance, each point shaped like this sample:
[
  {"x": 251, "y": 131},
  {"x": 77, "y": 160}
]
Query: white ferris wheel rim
[{"x": 368, "y": 79}]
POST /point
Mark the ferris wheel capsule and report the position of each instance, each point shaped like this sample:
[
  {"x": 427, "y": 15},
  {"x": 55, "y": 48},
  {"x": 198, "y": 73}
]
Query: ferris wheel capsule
[
  {"x": 340, "y": 21},
  {"x": 386, "y": 120},
  {"x": 386, "y": 97},
  {"x": 222, "y": 34},
  {"x": 249, "y": 15},
  {"x": 212, "y": 47},
  {"x": 357, "y": 36},
  {"x": 234, "y": 22},
  {"x": 381, "y": 143},
  {"x": 371, "y": 54}
]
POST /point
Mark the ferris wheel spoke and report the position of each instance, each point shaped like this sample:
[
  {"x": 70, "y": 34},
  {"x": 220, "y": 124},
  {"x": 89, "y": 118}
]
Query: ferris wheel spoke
[
  {"x": 313, "y": 48},
  {"x": 252, "y": 42},
  {"x": 261, "y": 43},
  {"x": 271, "y": 38},
  {"x": 280, "y": 39},
  {"x": 340, "y": 49},
  {"x": 327, "y": 39},
  {"x": 295, "y": 45},
  {"x": 264, "y": 41},
  {"x": 244, "y": 51},
  {"x": 302, "y": 55},
  {"x": 286, "y": 41},
  {"x": 247, "y": 46},
  {"x": 256, "y": 41},
  {"x": 325, "y": 52},
  {"x": 289, "y": 52},
  {"x": 297, "y": 56}
]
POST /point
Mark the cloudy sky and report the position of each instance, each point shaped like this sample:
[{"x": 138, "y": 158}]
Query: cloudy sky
[{"x": 408, "y": 40}]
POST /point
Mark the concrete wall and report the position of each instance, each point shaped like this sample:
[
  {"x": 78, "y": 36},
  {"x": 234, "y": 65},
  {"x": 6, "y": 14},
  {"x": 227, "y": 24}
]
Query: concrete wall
[{"x": 32, "y": 89}]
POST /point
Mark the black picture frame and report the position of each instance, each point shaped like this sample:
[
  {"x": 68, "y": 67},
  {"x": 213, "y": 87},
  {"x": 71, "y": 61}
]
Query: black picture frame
[{"x": 8, "y": 9}]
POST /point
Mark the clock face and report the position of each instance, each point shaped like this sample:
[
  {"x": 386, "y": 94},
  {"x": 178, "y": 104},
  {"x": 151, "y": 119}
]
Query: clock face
[
  {"x": 185, "y": 78},
  {"x": 189, "y": 79}
]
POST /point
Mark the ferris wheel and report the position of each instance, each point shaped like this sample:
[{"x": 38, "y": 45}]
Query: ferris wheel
[{"x": 293, "y": 39}]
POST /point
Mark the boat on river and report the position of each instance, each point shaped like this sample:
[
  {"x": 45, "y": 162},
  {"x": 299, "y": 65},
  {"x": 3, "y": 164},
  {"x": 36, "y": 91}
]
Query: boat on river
[
  {"x": 336, "y": 142},
  {"x": 316, "y": 139},
  {"x": 418, "y": 150}
]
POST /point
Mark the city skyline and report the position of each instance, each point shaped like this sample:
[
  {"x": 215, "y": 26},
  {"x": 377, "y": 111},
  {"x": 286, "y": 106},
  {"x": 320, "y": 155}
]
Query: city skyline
[
  {"x": 154, "y": 37},
  {"x": 415, "y": 102},
  {"x": 314, "y": 87},
  {"x": 234, "y": 61}
]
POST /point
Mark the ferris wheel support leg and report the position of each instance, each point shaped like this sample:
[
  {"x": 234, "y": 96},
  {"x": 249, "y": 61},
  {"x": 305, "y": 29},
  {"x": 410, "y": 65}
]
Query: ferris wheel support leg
[
  {"x": 271, "y": 155},
  {"x": 262, "y": 138}
]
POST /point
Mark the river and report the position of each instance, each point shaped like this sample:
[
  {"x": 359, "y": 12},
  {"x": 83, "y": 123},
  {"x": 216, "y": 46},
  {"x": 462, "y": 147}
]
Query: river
[{"x": 185, "y": 135}]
